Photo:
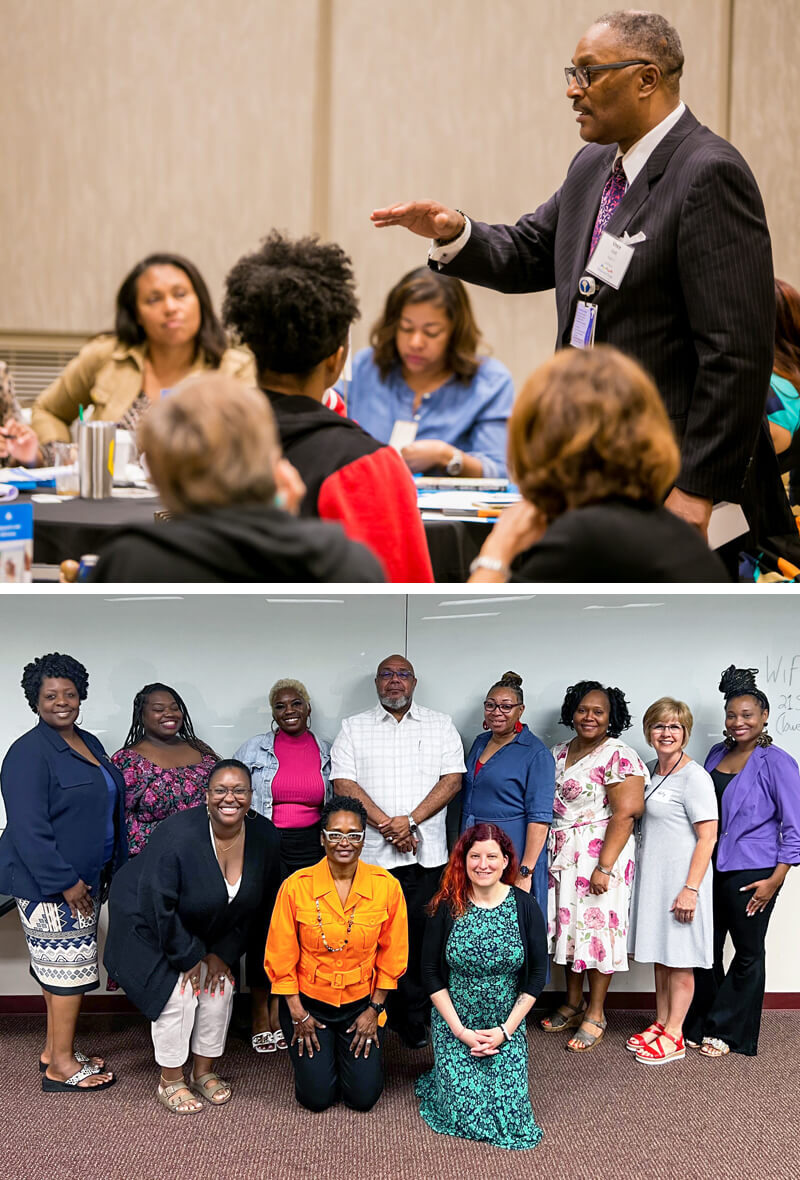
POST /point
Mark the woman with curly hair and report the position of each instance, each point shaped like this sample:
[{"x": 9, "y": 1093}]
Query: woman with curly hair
[
  {"x": 484, "y": 962},
  {"x": 164, "y": 764},
  {"x": 593, "y": 452},
  {"x": 65, "y": 837},
  {"x": 758, "y": 792},
  {"x": 292, "y": 303},
  {"x": 423, "y": 367},
  {"x": 599, "y": 793}
]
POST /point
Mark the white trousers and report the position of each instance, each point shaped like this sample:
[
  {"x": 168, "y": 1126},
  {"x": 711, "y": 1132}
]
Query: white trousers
[{"x": 189, "y": 1021}]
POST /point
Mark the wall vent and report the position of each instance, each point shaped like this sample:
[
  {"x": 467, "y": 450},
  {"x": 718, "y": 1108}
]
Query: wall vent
[{"x": 36, "y": 359}]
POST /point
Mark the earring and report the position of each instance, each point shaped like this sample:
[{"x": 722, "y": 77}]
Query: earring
[
  {"x": 485, "y": 724},
  {"x": 730, "y": 742},
  {"x": 764, "y": 739},
  {"x": 517, "y": 727},
  {"x": 274, "y": 726}
]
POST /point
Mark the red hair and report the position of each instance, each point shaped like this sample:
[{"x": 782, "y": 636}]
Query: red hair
[{"x": 455, "y": 885}]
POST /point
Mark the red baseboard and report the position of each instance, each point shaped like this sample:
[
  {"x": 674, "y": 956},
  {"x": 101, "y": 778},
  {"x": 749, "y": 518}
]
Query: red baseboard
[{"x": 117, "y": 1005}]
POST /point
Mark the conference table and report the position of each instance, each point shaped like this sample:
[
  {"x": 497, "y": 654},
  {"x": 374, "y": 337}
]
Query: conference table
[{"x": 70, "y": 528}]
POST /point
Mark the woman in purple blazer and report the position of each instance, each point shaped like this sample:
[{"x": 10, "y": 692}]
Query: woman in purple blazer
[{"x": 758, "y": 789}]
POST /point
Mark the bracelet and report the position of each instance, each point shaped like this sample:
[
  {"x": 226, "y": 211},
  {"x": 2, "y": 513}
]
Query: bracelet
[
  {"x": 691, "y": 888},
  {"x": 504, "y": 1031},
  {"x": 302, "y": 1020},
  {"x": 605, "y": 872},
  {"x": 490, "y": 563}
]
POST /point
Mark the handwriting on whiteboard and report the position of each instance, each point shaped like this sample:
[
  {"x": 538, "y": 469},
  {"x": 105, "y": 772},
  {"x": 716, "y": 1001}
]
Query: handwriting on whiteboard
[{"x": 784, "y": 672}]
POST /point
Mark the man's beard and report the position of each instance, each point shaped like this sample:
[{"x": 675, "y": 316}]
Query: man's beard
[{"x": 395, "y": 702}]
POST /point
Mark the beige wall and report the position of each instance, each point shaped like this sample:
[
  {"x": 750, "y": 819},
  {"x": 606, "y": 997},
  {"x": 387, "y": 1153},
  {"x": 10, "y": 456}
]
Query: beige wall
[{"x": 198, "y": 125}]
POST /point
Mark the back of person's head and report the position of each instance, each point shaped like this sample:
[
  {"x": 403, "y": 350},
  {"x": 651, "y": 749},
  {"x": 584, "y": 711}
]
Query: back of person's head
[
  {"x": 589, "y": 425},
  {"x": 424, "y": 285},
  {"x": 291, "y": 302},
  {"x": 211, "y": 338},
  {"x": 787, "y": 332},
  {"x": 211, "y": 443}
]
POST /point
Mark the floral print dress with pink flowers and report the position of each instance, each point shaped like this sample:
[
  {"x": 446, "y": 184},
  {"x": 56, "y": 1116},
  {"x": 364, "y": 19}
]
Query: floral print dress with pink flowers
[
  {"x": 583, "y": 929},
  {"x": 154, "y": 792}
]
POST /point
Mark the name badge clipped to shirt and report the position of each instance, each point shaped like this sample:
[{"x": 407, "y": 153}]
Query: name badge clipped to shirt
[{"x": 611, "y": 258}]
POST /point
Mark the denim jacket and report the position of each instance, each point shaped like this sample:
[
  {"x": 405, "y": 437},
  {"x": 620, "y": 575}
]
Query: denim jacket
[{"x": 258, "y": 753}]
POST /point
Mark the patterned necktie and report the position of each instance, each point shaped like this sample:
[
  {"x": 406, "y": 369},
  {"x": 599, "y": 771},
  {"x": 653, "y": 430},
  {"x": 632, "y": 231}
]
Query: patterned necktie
[{"x": 612, "y": 195}]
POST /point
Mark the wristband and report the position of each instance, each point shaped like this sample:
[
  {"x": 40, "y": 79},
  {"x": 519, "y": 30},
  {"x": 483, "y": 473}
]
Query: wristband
[
  {"x": 504, "y": 1031},
  {"x": 490, "y": 563}
]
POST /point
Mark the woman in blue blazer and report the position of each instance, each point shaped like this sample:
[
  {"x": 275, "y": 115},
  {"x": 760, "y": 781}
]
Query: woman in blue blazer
[
  {"x": 511, "y": 782},
  {"x": 64, "y": 838}
]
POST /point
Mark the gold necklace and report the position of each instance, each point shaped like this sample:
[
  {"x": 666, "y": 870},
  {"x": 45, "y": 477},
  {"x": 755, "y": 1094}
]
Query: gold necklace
[{"x": 224, "y": 847}]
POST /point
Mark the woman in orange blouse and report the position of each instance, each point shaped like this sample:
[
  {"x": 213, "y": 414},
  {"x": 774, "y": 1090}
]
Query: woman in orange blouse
[{"x": 338, "y": 942}]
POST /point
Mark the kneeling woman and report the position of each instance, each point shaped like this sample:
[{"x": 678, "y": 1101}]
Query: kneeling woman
[
  {"x": 340, "y": 927},
  {"x": 180, "y": 917},
  {"x": 484, "y": 962}
]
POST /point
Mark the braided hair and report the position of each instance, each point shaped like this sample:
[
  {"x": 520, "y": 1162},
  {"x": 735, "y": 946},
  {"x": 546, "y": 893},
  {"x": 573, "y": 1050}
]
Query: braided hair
[
  {"x": 54, "y": 665},
  {"x": 618, "y": 716},
  {"x": 741, "y": 682},
  {"x": 512, "y": 681},
  {"x": 186, "y": 733}
]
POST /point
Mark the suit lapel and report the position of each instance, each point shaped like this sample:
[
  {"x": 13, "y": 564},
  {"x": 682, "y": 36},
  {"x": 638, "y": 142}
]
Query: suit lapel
[{"x": 585, "y": 223}]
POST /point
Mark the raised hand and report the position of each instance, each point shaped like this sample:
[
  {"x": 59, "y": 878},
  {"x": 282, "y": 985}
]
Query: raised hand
[{"x": 429, "y": 219}]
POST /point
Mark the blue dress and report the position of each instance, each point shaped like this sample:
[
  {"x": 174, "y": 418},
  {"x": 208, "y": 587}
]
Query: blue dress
[
  {"x": 515, "y": 788},
  {"x": 470, "y": 415}
]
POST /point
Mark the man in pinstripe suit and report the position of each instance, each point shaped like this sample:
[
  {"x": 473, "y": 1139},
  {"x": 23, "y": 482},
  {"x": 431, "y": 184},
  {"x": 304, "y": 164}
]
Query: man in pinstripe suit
[{"x": 696, "y": 306}]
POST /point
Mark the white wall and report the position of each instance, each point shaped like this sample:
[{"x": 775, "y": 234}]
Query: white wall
[{"x": 222, "y": 652}]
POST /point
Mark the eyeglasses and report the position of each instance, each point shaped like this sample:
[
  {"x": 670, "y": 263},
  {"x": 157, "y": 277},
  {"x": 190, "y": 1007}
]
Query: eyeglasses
[
  {"x": 582, "y": 75},
  {"x": 667, "y": 728},
  {"x": 390, "y": 673},
  {"x": 337, "y": 837},
  {"x": 219, "y": 793},
  {"x": 504, "y": 707}
]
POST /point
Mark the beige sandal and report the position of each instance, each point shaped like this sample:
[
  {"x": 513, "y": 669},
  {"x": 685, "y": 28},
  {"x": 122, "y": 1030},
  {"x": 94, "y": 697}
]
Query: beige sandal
[
  {"x": 168, "y": 1096},
  {"x": 208, "y": 1085},
  {"x": 561, "y": 1020},
  {"x": 714, "y": 1047},
  {"x": 585, "y": 1039}
]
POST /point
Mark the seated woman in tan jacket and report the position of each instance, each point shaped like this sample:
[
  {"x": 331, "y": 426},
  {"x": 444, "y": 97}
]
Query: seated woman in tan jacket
[{"x": 165, "y": 329}]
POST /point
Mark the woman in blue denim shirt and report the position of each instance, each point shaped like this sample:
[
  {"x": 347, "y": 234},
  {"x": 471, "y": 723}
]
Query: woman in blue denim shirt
[{"x": 290, "y": 768}]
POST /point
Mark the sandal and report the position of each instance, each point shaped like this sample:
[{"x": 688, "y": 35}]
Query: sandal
[
  {"x": 168, "y": 1096},
  {"x": 714, "y": 1047},
  {"x": 264, "y": 1042},
  {"x": 637, "y": 1042},
  {"x": 586, "y": 1041},
  {"x": 97, "y": 1066},
  {"x": 561, "y": 1020},
  {"x": 72, "y": 1085},
  {"x": 208, "y": 1085},
  {"x": 655, "y": 1054},
  {"x": 279, "y": 1039}
]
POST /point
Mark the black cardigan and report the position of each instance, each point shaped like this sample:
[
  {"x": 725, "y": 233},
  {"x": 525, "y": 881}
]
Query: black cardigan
[
  {"x": 533, "y": 974},
  {"x": 169, "y": 907}
]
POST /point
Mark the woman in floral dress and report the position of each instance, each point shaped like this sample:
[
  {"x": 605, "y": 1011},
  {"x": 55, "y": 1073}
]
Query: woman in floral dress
[
  {"x": 165, "y": 766},
  {"x": 599, "y": 793},
  {"x": 484, "y": 961}
]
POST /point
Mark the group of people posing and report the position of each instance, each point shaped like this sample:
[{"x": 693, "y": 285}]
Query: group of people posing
[{"x": 326, "y": 868}]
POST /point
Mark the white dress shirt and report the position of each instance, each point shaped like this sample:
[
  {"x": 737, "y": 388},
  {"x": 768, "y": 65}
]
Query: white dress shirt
[
  {"x": 397, "y": 763},
  {"x": 632, "y": 163}
]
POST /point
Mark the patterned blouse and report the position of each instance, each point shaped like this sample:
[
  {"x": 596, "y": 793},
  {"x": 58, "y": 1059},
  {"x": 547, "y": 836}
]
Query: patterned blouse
[
  {"x": 9, "y": 407},
  {"x": 154, "y": 792}
]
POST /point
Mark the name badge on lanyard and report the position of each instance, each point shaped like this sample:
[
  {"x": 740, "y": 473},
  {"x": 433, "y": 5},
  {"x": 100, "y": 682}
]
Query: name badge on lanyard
[{"x": 583, "y": 325}]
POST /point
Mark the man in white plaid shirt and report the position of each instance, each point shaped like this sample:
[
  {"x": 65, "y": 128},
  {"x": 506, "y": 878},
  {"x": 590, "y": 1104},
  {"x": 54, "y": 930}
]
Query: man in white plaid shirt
[{"x": 404, "y": 762}]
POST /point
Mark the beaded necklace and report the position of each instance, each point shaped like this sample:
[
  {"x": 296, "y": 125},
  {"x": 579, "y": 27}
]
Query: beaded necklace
[{"x": 334, "y": 949}]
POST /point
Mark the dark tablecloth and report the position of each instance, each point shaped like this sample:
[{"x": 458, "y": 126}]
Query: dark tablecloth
[{"x": 75, "y": 527}]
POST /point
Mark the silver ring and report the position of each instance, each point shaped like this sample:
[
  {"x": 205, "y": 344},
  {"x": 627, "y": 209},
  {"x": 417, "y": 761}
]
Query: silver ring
[
  {"x": 369, "y": 1040},
  {"x": 221, "y": 978}
]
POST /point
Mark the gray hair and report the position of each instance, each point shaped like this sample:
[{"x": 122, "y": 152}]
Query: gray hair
[
  {"x": 652, "y": 36},
  {"x": 293, "y": 686}
]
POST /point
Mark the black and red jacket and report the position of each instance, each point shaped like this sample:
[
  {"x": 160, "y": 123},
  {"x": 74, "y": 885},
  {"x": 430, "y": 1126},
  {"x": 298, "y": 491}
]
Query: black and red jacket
[{"x": 352, "y": 478}]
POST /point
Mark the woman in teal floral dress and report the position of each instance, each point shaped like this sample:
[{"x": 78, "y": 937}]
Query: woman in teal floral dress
[{"x": 484, "y": 964}]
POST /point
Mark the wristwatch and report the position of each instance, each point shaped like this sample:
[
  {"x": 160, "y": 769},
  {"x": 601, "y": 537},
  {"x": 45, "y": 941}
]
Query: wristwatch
[
  {"x": 378, "y": 1007},
  {"x": 411, "y": 823},
  {"x": 456, "y": 464},
  {"x": 524, "y": 871}
]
